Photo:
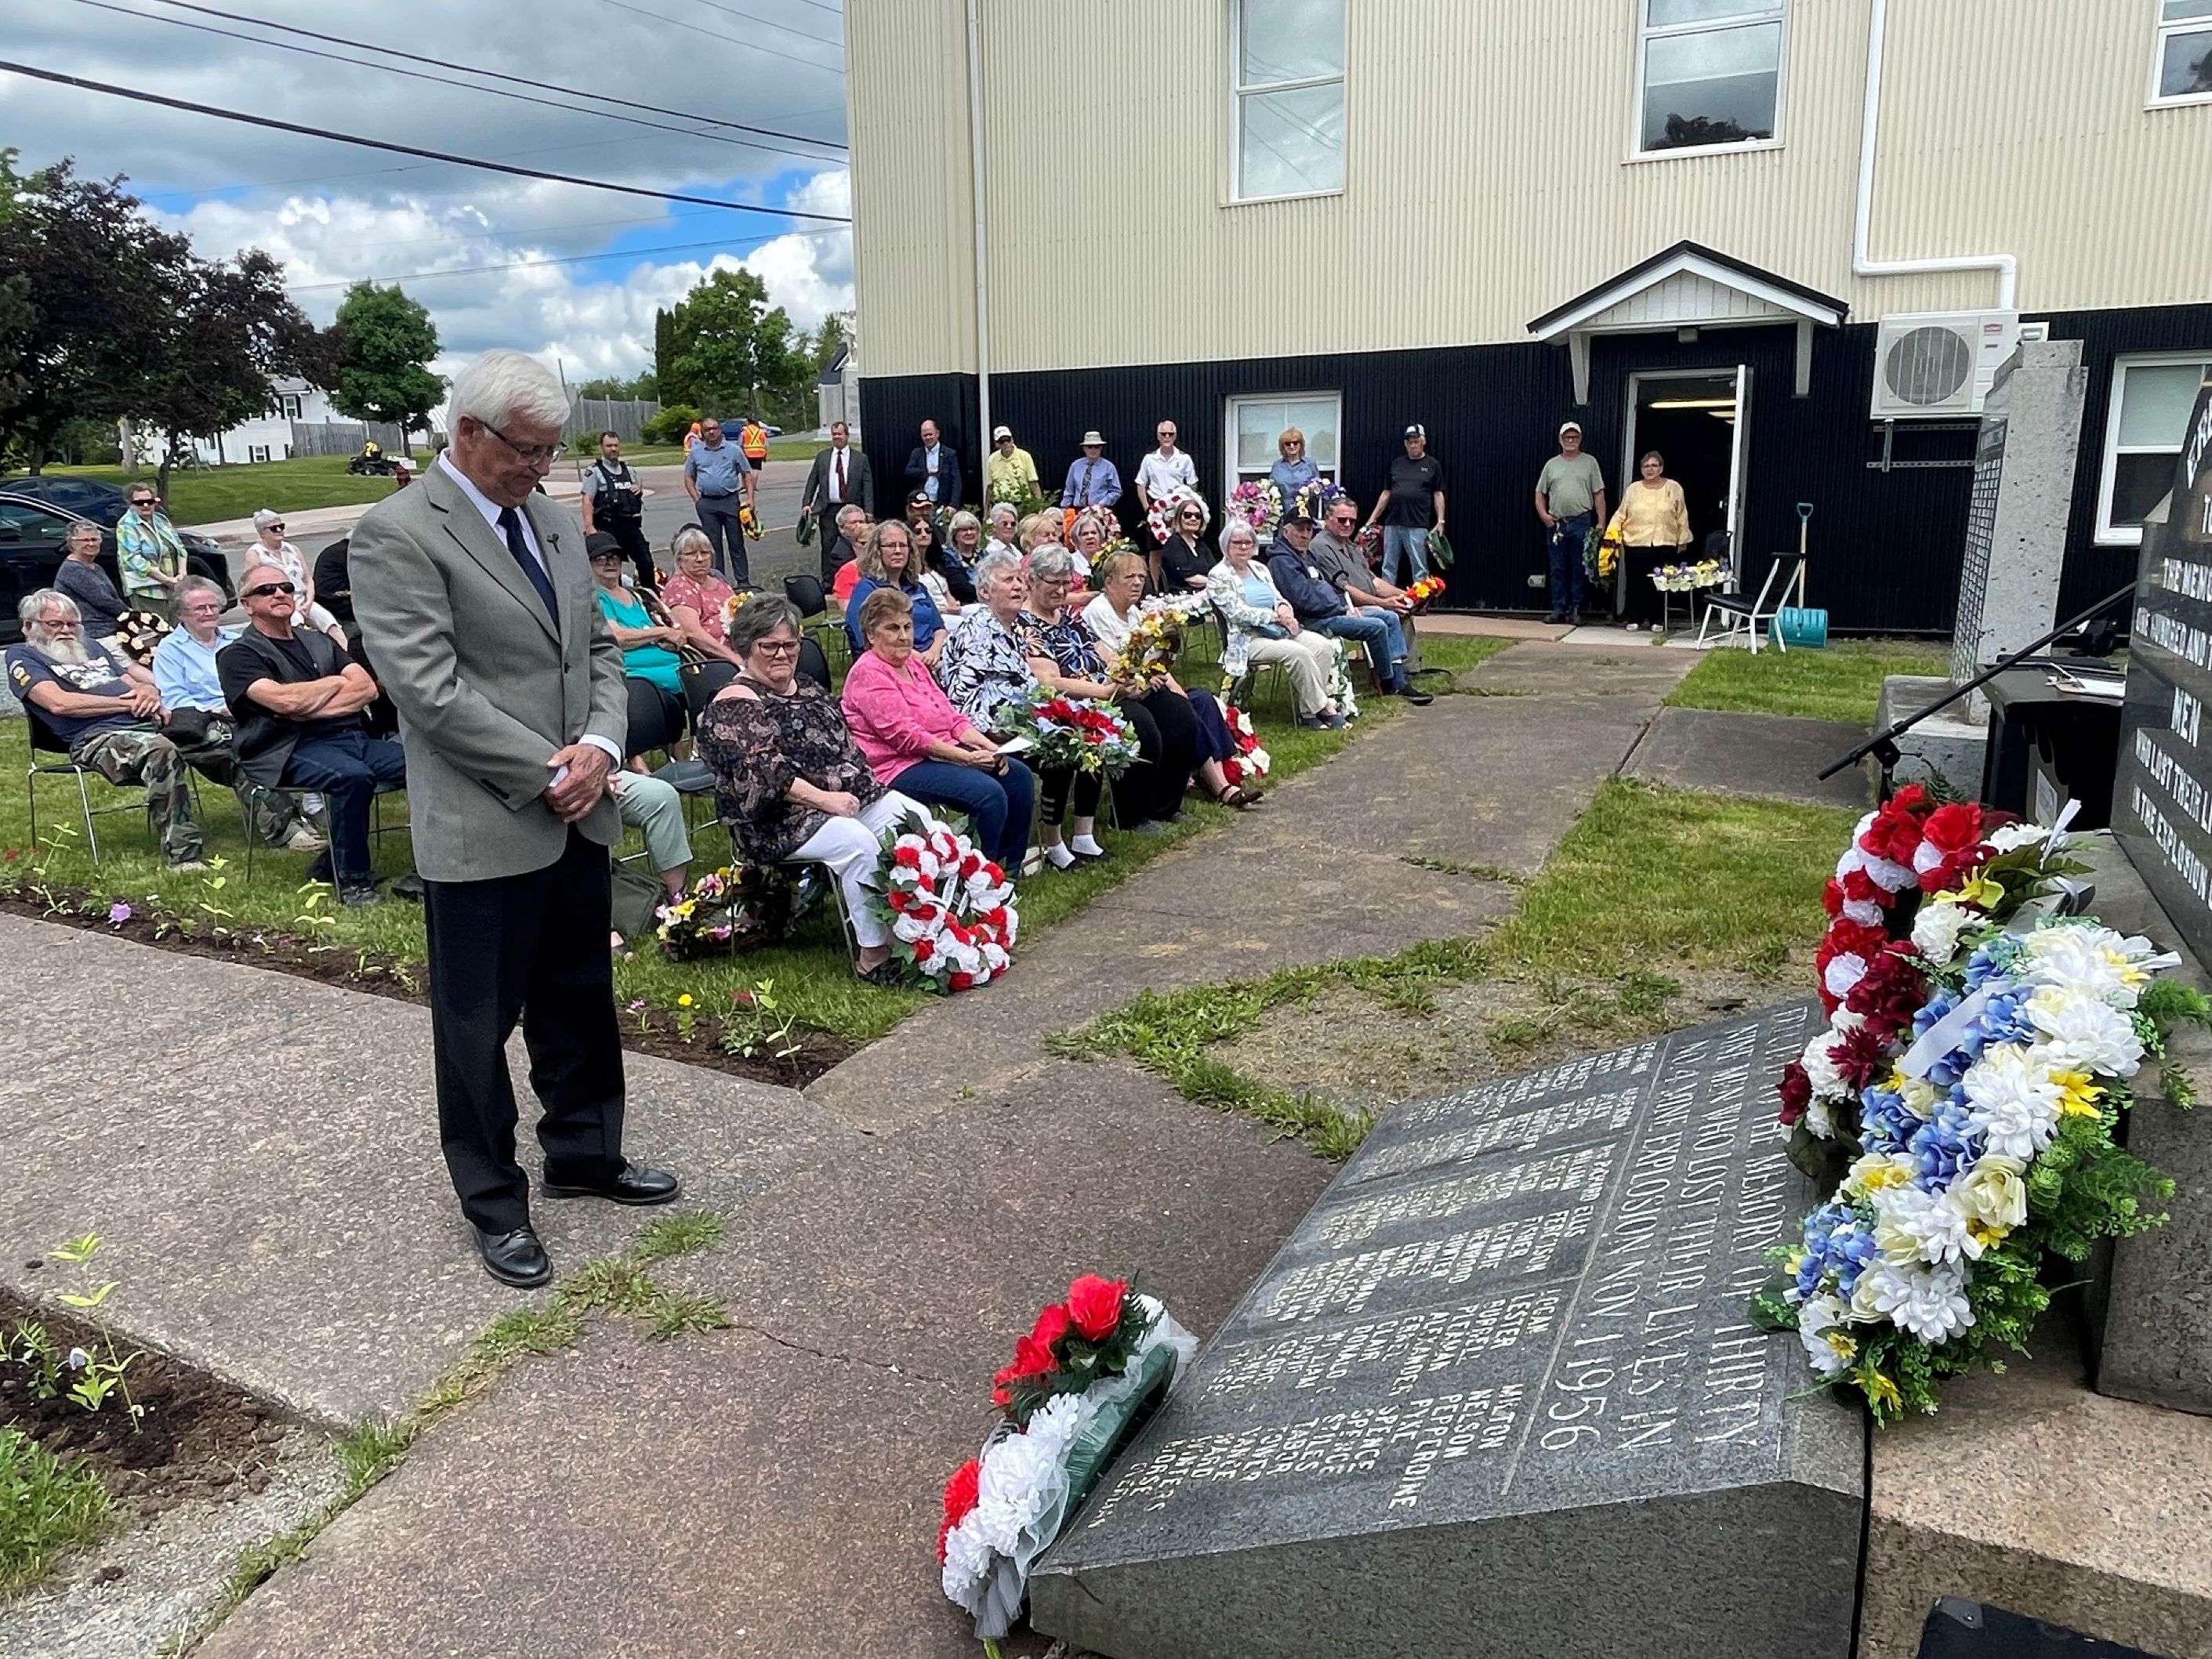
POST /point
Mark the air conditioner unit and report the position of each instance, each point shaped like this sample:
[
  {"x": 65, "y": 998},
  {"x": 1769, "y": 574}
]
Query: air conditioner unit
[{"x": 1930, "y": 367}]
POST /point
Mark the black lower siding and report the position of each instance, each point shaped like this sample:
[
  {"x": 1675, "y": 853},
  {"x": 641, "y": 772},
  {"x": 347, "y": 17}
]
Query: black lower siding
[{"x": 1885, "y": 545}]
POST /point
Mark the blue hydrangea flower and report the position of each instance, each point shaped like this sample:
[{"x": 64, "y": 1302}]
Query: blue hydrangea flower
[
  {"x": 2005, "y": 1020},
  {"x": 1944, "y": 1146},
  {"x": 1886, "y": 1122},
  {"x": 1997, "y": 956}
]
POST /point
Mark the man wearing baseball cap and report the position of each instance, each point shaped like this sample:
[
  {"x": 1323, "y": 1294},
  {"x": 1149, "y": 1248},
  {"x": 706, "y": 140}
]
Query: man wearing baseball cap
[
  {"x": 1009, "y": 474},
  {"x": 1569, "y": 498},
  {"x": 1410, "y": 507},
  {"x": 1094, "y": 481}
]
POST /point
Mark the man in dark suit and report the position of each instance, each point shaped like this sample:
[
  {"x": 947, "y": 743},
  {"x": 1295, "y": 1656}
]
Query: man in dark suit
[
  {"x": 933, "y": 469},
  {"x": 840, "y": 474},
  {"x": 475, "y": 602},
  {"x": 298, "y": 702}
]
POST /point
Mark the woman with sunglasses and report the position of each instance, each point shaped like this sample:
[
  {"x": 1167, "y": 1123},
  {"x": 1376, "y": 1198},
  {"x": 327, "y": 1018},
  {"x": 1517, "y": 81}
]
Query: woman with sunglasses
[
  {"x": 1180, "y": 563},
  {"x": 269, "y": 531},
  {"x": 1294, "y": 470}
]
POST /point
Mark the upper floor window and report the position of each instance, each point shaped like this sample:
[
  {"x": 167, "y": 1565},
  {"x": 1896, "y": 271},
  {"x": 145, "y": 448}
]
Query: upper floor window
[
  {"x": 2153, "y": 397},
  {"x": 1289, "y": 92},
  {"x": 1709, "y": 73},
  {"x": 2184, "y": 49},
  {"x": 289, "y": 406}
]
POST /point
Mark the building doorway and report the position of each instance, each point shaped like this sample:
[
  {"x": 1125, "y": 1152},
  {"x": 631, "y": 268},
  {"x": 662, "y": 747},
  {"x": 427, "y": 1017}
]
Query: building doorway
[{"x": 1698, "y": 421}]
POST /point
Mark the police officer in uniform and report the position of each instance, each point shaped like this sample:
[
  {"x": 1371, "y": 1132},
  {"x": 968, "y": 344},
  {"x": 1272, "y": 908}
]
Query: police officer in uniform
[{"x": 614, "y": 501}]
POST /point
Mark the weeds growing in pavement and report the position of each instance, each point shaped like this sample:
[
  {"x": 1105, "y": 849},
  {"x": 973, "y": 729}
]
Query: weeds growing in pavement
[
  {"x": 672, "y": 1314},
  {"x": 47, "y": 1507},
  {"x": 685, "y": 1233}
]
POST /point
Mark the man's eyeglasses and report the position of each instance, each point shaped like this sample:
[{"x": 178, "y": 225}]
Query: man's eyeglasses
[
  {"x": 267, "y": 588},
  {"x": 530, "y": 454},
  {"x": 57, "y": 624}
]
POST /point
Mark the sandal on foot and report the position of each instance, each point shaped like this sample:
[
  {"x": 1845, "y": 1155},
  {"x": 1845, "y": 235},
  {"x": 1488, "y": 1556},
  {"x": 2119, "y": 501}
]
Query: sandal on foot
[
  {"x": 886, "y": 972},
  {"x": 1233, "y": 795}
]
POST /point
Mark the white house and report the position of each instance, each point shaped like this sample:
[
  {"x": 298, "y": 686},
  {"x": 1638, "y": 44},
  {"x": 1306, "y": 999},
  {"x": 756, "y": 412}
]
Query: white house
[{"x": 268, "y": 437}]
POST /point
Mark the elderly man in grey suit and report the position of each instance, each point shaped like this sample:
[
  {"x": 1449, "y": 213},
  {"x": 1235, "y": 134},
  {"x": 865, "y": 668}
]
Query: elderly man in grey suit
[{"x": 475, "y": 602}]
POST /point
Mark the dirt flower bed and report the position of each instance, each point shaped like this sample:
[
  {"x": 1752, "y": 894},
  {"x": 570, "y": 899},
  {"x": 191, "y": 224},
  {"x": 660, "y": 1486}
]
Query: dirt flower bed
[
  {"x": 715, "y": 1040},
  {"x": 196, "y": 1440}
]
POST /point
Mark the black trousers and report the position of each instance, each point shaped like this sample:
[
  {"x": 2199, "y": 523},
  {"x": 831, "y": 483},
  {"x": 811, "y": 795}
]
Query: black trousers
[
  {"x": 1168, "y": 739},
  {"x": 630, "y": 532},
  {"x": 531, "y": 947}
]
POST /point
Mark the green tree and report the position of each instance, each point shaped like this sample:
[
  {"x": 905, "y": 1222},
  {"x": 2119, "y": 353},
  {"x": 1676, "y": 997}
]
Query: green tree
[
  {"x": 385, "y": 344},
  {"x": 645, "y": 386},
  {"x": 730, "y": 351}
]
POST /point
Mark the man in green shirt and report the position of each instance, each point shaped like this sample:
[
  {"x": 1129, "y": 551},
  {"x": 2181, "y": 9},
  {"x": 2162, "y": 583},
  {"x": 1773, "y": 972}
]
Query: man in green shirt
[{"x": 1569, "y": 498}]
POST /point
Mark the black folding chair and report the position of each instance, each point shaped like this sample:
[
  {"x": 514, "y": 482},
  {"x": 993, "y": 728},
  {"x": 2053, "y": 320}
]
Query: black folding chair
[
  {"x": 703, "y": 681},
  {"x": 45, "y": 740},
  {"x": 1750, "y": 615},
  {"x": 812, "y": 662},
  {"x": 812, "y": 600}
]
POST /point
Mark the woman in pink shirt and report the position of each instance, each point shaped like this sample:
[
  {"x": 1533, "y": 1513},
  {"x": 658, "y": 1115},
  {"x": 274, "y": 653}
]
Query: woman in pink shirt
[
  {"x": 906, "y": 729},
  {"x": 695, "y": 596}
]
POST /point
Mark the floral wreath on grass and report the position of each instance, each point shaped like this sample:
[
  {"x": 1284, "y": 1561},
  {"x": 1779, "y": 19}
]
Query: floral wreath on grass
[
  {"x": 1961, "y": 1108},
  {"x": 1082, "y": 1382},
  {"x": 1250, "y": 763},
  {"x": 952, "y": 912},
  {"x": 1161, "y": 520},
  {"x": 736, "y": 908}
]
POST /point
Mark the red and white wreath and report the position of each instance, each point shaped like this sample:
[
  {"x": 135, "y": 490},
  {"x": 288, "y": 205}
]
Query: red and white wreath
[
  {"x": 1250, "y": 763},
  {"x": 950, "y": 910}
]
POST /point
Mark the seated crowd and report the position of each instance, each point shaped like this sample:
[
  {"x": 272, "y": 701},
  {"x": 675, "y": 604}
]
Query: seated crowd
[{"x": 946, "y": 637}]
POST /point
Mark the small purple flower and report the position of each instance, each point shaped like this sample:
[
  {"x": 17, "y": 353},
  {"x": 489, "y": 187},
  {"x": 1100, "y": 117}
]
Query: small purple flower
[
  {"x": 635, "y": 1004},
  {"x": 118, "y": 914}
]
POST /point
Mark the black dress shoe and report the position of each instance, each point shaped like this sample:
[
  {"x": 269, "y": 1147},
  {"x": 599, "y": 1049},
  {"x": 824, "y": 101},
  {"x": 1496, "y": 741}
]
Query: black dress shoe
[
  {"x": 515, "y": 1258},
  {"x": 635, "y": 1185},
  {"x": 1419, "y": 699}
]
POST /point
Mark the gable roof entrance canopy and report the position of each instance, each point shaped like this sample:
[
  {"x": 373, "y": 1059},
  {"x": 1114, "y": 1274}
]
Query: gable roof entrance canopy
[{"x": 1689, "y": 286}]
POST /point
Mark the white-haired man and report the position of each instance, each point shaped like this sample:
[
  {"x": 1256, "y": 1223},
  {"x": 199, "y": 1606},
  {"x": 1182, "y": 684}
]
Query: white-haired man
[
  {"x": 475, "y": 603},
  {"x": 105, "y": 707}
]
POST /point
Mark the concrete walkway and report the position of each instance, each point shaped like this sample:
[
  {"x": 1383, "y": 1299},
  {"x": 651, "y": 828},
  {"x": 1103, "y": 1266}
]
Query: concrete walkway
[
  {"x": 771, "y": 1488},
  {"x": 1776, "y": 756}
]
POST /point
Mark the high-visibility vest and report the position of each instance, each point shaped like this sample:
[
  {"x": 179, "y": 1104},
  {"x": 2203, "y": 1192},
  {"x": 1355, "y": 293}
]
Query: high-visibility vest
[{"x": 754, "y": 441}]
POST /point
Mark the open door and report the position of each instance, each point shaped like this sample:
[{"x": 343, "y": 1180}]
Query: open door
[{"x": 1739, "y": 469}]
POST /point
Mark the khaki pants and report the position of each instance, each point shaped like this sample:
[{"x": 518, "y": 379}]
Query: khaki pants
[{"x": 1308, "y": 657}]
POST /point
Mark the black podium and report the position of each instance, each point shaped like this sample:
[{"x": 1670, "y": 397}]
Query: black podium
[{"x": 2051, "y": 740}]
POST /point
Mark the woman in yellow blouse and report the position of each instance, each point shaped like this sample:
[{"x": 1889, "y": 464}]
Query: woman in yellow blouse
[{"x": 1652, "y": 526}]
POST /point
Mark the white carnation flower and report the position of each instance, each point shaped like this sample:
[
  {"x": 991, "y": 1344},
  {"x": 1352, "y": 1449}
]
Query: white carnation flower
[
  {"x": 1023, "y": 1476},
  {"x": 2095, "y": 961},
  {"x": 2083, "y": 1034},
  {"x": 2011, "y": 1099},
  {"x": 1929, "y": 1302},
  {"x": 1819, "y": 1120},
  {"x": 1890, "y": 878},
  {"x": 1926, "y": 857},
  {"x": 1909, "y": 1224},
  {"x": 1821, "y": 1069},
  {"x": 1865, "y": 912},
  {"x": 967, "y": 1560},
  {"x": 1935, "y": 931},
  {"x": 1843, "y": 972},
  {"x": 1819, "y": 1323},
  {"x": 2017, "y": 835}
]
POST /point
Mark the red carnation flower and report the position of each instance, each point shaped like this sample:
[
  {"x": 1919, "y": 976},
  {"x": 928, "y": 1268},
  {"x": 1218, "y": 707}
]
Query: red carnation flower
[
  {"x": 1895, "y": 832},
  {"x": 1033, "y": 1358},
  {"x": 924, "y": 949},
  {"x": 1853, "y": 938},
  {"x": 1860, "y": 887},
  {"x": 1796, "y": 1091},
  {"x": 1861, "y": 1057},
  {"x": 1955, "y": 870},
  {"x": 1954, "y": 828},
  {"x": 908, "y": 857},
  {"x": 1095, "y": 1304},
  {"x": 1832, "y": 897},
  {"x": 961, "y": 980},
  {"x": 1051, "y": 1325},
  {"x": 960, "y": 1496}
]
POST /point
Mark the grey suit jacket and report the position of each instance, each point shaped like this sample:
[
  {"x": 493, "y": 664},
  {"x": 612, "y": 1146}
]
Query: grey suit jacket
[
  {"x": 860, "y": 482},
  {"x": 486, "y": 687}
]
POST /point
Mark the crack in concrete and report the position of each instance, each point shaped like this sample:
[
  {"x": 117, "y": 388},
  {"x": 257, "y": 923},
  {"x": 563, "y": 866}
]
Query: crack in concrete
[{"x": 763, "y": 1331}]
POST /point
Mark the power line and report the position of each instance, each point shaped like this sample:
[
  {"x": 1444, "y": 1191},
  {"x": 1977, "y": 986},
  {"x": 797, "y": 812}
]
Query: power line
[
  {"x": 749, "y": 45},
  {"x": 443, "y": 81},
  {"x": 497, "y": 75},
  {"x": 273, "y": 124},
  {"x": 766, "y": 22},
  {"x": 724, "y": 245}
]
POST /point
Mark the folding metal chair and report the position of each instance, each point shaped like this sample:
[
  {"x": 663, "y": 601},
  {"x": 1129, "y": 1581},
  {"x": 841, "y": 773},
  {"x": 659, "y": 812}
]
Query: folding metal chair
[
  {"x": 813, "y": 601},
  {"x": 45, "y": 741}
]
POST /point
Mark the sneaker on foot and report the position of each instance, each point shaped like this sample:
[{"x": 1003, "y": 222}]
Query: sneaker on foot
[
  {"x": 190, "y": 866},
  {"x": 358, "y": 895},
  {"x": 302, "y": 838}
]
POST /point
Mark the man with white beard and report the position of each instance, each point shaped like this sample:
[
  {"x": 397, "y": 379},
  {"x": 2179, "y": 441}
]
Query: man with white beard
[{"x": 105, "y": 707}]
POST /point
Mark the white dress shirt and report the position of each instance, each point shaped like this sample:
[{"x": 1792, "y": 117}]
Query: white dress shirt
[{"x": 491, "y": 510}]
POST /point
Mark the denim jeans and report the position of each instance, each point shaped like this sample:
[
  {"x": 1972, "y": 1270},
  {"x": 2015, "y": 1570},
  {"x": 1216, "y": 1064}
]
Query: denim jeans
[
  {"x": 1404, "y": 541},
  {"x": 350, "y": 767},
  {"x": 1378, "y": 634},
  {"x": 1570, "y": 583},
  {"x": 999, "y": 809}
]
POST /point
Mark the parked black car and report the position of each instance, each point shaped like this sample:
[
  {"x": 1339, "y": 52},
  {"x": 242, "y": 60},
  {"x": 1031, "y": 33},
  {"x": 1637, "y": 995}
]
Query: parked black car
[
  {"x": 31, "y": 535},
  {"x": 101, "y": 502}
]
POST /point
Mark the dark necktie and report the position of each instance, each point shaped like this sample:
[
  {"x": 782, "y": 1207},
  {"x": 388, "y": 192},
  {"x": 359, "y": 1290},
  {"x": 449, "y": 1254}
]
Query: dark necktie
[
  {"x": 841, "y": 475},
  {"x": 510, "y": 521},
  {"x": 1083, "y": 498}
]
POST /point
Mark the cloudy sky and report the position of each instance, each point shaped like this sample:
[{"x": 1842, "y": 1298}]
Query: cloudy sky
[{"x": 334, "y": 213}]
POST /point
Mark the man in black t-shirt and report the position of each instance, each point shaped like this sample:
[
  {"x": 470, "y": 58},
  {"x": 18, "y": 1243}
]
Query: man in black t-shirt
[
  {"x": 297, "y": 699},
  {"x": 614, "y": 502},
  {"x": 1410, "y": 507}
]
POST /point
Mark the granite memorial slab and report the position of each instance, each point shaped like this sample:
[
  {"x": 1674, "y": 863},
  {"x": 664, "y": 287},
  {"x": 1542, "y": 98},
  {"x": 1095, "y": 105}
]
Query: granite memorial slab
[{"x": 1500, "y": 1394}]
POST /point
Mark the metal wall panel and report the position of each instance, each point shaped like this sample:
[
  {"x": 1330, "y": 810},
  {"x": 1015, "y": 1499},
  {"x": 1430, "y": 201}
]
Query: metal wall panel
[{"x": 1488, "y": 176}]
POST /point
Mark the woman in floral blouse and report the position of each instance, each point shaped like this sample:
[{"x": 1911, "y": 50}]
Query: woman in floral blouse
[
  {"x": 990, "y": 658},
  {"x": 789, "y": 780}
]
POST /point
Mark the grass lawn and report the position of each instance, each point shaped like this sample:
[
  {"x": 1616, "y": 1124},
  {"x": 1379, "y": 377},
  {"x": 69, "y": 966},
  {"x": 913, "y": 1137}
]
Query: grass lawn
[
  {"x": 779, "y": 449},
  {"x": 212, "y": 495},
  {"x": 811, "y": 978},
  {"x": 1842, "y": 682}
]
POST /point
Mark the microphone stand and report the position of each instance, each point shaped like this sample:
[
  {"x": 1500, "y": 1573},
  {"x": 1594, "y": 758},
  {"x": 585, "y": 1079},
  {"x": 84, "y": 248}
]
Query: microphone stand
[{"x": 1882, "y": 745}]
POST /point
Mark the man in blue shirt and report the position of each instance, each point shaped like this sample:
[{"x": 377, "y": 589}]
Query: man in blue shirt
[
  {"x": 186, "y": 677},
  {"x": 1093, "y": 480},
  {"x": 1314, "y": 600},
  {"x": 720, "y": 479}
]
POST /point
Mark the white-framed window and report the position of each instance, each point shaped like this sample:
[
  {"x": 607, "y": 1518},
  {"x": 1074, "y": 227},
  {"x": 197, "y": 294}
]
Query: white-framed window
[
  {"x": 2152, "y": 397},
  {"x": 289, "y": 406},
  {"x": 1255, "y": 425},
  {"x": 2181, "y": 67},
  {"x": 1709, "y": 74},
  {"x": 1287, "y": 74}
]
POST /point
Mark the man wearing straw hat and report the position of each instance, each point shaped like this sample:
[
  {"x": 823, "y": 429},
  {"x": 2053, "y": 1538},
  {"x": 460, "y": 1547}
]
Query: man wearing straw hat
[{"x": 1093, "y": 480}]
